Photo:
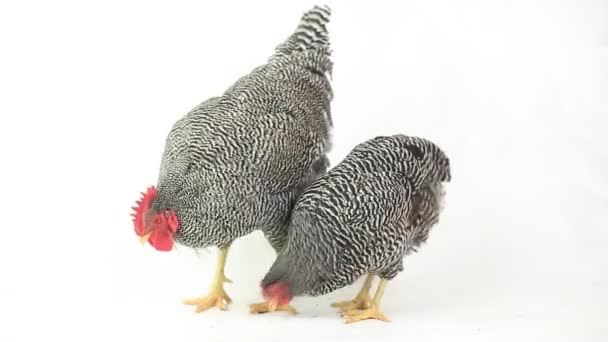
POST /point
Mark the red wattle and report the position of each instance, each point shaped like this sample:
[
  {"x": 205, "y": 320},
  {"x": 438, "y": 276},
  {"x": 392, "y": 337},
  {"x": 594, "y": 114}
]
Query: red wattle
[
  {"x": 161, "y": 240},
  {"x": 172, "y": 221}
]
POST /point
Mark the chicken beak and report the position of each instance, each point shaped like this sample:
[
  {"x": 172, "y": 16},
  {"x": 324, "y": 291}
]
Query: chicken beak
[
  {"x": 144, "y": 238},
  {"x": 272, "y": 304}
]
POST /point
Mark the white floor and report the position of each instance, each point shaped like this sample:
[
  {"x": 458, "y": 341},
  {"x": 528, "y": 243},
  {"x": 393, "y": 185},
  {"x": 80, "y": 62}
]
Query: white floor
[
  {"x": 482, "y": 290},
  {"x": 515, "y": 92}
]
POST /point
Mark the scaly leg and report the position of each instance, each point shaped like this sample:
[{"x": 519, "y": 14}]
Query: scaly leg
[
  {"x": 217, "y": 295},
  {"x": 373, "y": 311},
  {"x": 361, "y": 301}
]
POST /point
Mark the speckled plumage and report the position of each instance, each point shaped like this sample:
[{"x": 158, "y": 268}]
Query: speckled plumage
[
  {"x": 363, "y": 216},
  {"x": 237, "y": 162}
]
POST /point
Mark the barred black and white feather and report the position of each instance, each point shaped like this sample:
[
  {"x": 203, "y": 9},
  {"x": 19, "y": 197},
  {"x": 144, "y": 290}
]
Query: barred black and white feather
[
  {"x": 363, "y": 216},
  {"x": 237, "y": 162},
  {"x": 310, "y": 38}
]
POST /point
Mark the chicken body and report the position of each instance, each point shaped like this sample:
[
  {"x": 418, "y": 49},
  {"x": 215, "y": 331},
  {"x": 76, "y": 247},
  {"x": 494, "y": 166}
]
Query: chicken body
[
  {"x": 362, "y": 217},
  {"x": 237, "y": 163}
]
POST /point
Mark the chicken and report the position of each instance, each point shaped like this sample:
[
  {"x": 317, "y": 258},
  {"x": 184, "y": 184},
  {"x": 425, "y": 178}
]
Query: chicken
[
  {"x": 237, "y": 162},
  {"x": 360, "y": 218}
]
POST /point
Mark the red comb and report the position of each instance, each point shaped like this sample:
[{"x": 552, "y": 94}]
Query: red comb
[
  {"x": 143, "y": 205},
  {"x": 278, "y": 291}
]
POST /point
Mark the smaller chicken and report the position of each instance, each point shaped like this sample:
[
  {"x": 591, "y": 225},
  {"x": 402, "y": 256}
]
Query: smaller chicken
[{"x": 361, "y": 218}]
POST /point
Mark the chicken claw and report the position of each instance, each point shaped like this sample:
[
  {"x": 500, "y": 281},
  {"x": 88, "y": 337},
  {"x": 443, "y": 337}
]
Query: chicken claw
[
  {"x": 265, "y": 307},
  {"x": 217, "y": 298},
  {"x": 370, "y": 313},
  {"x": 358, "y": 303}
]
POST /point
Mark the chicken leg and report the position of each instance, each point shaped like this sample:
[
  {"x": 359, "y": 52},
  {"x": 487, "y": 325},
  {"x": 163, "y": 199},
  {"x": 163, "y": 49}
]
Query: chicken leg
[
  {"x": 361, "y": 301},
  {"x": 373, "y": 311},
  {"x": 217, "y": 295}
]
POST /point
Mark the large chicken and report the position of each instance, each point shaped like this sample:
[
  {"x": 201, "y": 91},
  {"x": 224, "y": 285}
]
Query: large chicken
[
  {"x": 238, "y": 162},
  {"x": 362, "y": 217}
]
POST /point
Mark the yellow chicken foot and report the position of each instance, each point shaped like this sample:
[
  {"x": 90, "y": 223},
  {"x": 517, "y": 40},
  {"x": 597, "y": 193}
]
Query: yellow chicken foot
[
  {"x": 217, "y": 295},
  {"x": 372, "y": 312},
  {"x": 361, "y": 301},
  {"x": 271, "y": 307}
]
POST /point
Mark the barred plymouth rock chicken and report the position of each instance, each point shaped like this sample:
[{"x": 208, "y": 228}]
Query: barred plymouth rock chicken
[
  {"x": 361, "y": 217},
  {"x": 237, "y": 163}
]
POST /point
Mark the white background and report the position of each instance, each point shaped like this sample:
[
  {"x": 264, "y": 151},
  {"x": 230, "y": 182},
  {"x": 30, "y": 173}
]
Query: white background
[{"x": 516, "y": 92}]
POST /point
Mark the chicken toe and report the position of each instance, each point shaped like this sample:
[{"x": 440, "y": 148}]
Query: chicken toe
[{"x": 266, "y": 307}]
